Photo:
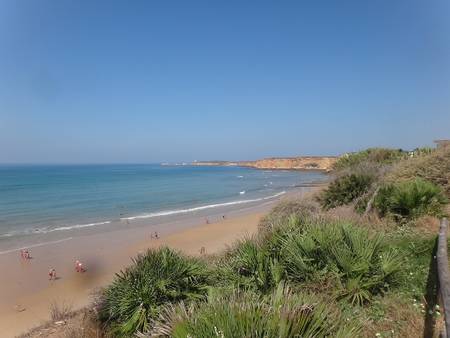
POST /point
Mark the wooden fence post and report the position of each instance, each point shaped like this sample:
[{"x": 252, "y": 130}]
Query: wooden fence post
[{"x": 443, "y": 274}]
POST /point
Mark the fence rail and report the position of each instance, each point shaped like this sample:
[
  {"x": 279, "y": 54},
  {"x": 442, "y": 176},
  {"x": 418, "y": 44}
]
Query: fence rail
[{"x": 444, "y": 275}]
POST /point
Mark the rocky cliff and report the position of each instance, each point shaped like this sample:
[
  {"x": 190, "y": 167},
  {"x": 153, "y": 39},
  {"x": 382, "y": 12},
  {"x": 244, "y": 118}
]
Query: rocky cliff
[{"x": 286, "y": 163}]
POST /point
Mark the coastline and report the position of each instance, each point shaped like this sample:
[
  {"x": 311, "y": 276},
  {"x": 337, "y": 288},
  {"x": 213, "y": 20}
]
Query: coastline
[
  {"x": 52, "y": 203},
  {"x": 31, "y": 239},
  {"x": 26, "y": 286},
  {"x": 305, "y": 163}
]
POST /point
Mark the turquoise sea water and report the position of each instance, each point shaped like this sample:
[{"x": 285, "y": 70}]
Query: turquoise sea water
[{"x": 42, "y": 199}]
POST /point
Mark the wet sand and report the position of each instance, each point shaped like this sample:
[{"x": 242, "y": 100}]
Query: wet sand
[{"x": 26, "y": 294}]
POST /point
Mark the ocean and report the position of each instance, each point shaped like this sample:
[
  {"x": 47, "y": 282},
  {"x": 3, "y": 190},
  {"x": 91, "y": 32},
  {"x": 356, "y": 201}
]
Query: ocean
[{"x": 44, "y": 199}]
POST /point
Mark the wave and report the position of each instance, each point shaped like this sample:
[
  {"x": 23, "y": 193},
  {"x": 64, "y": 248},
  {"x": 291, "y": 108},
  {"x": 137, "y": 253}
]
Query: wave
[
  {"x": 47, "y": 230},
  {"x": 203, "y": 207},
  {"x": 36, "y": 245},
  {"x": 78, "y": 226},
  {"x": 150, "y": 215}
]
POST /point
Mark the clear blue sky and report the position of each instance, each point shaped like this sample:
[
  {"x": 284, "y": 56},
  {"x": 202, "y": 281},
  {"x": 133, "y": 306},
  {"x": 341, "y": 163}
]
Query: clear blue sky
[{"x": 146, "y": 81}]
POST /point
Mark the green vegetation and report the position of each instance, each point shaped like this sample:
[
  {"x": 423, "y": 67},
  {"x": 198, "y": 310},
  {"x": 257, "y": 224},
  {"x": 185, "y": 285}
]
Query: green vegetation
[
  {"x": 250, "y": 265},
  {"x": 410, "y": 199},
  {"x": 282, "y": 314},
  {"x": 431, "y": 166},
  {"x": 398, "y": 184},
  {"x": 346, "y": 189},
  {"x": 156, "y": 278},
  {"x": 361, "y": 264},
  {"x": 371, "y": 155},
  {"x": 309, "y": 272}
]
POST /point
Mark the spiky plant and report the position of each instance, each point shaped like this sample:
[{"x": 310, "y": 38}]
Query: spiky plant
[
  {"x": 158, "y": 277},
  {"x": 244, "y": 314},
  {"x": 362, "y": 263},
  {"x": 250, "y": 265},
  {"x": 410, "y": 199}
]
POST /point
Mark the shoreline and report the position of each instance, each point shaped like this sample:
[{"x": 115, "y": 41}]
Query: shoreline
[
  {"x": 31, "y": 238},
  {"x": 26, "y": 286}
]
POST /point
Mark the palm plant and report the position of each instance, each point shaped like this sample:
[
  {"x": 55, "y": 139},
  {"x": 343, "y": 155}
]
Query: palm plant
[
  {"x": 362, "y": 263},
  {"x": 155, "y": 278},
  {"x": 410, "y": 199},
  {"x": 244, "y": 314},
  {"x": 250, "y": 265}
]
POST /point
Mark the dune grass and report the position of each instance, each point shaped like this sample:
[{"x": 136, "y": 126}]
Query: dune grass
[
  {"x": 370, "y": 155},
  {"x": 431, "y": 166},
  {"x": 282, "y": 313}
]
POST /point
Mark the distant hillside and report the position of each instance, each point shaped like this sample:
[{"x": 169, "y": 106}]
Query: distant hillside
[{"x": 286, "y": 163}]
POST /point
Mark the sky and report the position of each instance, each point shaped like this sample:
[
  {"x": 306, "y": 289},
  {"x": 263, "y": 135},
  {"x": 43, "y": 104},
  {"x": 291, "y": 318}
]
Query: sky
[{"x": 92, "y": 81}]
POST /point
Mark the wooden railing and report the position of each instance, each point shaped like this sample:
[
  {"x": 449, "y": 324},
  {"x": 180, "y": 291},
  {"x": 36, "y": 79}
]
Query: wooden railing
[{"x": 444, "y": 275}]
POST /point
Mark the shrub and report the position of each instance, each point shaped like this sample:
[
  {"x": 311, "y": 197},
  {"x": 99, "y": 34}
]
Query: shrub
[
  {"x": 361, "y": 203},
  {"x": 285, "y": 210},
  {"x": 345, "y": 189},
  {"x": 362, "y": 264},
  {"x": 433, "y": 166},
  {"x": 155, "y": 278},
  {"x": 410, "y": 199},
  {"x": 243, "y": 314},
  {"x": 373, "y": 155},
  {"x": 313, "y": 250},
  {"x": 250, "y": 265},
  {"x": 254, "y": 263}
]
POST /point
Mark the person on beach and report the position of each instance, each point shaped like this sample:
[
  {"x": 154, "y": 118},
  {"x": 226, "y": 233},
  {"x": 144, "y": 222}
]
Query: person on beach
[
  {"x": 52, "y": 274},
  {"x": 79, "y": 266},
  {"x": 207, "y": 220},
  {"x": 156, "y": 235},
  {"x": 24, "y": 254}
]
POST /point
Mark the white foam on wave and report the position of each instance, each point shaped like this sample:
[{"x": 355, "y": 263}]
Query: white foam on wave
[
  {"x": 78, "y": 226},
  {"x": 47, "y": 230},
  {"x": 150, "y": 215},
  {"x": 36, "y": 245},
  {"x": 203, "y": 207}
]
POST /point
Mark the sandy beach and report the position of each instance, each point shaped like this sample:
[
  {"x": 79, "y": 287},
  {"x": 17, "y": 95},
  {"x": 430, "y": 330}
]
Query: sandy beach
[{"x": 27, "y": 294}]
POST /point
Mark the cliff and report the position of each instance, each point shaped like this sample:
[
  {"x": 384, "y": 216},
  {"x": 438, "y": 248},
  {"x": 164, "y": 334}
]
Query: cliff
[{"x": 286, "y": 163}]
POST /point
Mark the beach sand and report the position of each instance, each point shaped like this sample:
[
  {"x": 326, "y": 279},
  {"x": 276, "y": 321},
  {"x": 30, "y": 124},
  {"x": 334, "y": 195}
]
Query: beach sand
[{"x": 26, "y": 294}]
